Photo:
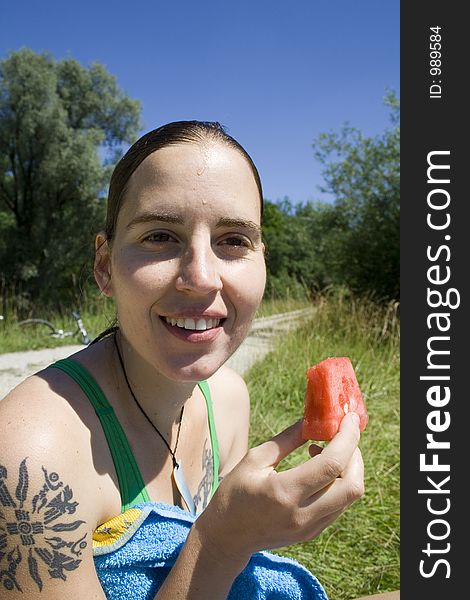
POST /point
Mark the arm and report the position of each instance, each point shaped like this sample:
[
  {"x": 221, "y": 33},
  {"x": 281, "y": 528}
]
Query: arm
[
  {"x": 201, "y": 571},
  {"x": 47, "y": 514},
  {"x": 257, "y": 508}
]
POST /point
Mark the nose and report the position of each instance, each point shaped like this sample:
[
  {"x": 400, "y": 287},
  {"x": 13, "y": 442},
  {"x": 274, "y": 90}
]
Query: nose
[{"x": 199, "y": 271}]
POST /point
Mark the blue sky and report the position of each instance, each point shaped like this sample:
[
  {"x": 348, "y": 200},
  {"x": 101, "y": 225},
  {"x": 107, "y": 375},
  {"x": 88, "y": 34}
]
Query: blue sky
[{"x": 275, "y": 73}]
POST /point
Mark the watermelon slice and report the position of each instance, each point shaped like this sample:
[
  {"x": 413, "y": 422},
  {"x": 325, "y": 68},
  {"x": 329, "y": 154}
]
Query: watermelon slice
[{"x": 332, "y": 391}]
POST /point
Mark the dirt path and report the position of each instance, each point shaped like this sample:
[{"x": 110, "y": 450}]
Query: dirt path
[{"x": 16, "y": 366}]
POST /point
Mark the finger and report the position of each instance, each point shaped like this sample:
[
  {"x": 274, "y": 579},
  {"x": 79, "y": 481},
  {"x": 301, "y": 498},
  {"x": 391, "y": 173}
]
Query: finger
[
  {"x": 354, "y": 470},
  {"x": 270, "y": 453},
  {"x": 321, "y": 470},
  {"x": 344, "y": 443},
  {"x": 344, "y": 490}
]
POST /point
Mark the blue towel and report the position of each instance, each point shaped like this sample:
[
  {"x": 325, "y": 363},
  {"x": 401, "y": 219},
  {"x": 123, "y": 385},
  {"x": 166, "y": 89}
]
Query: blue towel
[{"x": 134, "y": 567}]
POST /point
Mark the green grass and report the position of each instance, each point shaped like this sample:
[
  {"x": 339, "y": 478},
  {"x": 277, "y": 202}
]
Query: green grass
[
  {"x": 280, "y": 305},
  {"x": 14, "y": 338},
  {"x": 358, "y": 555}
]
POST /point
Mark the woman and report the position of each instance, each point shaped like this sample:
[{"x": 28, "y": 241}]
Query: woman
[{"x": 125, "y": 471}]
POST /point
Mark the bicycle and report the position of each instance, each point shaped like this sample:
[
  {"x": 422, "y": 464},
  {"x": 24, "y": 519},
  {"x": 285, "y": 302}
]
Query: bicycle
[{"x": 60, "y": 333}]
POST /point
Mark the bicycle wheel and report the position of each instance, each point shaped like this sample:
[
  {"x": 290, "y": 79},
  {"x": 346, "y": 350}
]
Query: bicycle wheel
[{"x": 38, "y": 323}]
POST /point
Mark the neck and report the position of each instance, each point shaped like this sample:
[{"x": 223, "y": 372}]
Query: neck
[{"x": 159, "y": 397}]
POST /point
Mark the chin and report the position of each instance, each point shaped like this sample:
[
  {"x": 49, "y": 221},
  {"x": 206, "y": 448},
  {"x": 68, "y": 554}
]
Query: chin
[{"x": 193, "y": 370}]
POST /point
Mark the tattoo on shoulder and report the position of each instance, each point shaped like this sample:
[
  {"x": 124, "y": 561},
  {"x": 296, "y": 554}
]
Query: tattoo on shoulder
[
  {"x": 203, "y": 495},
  {"x": 35, "y": 526}
]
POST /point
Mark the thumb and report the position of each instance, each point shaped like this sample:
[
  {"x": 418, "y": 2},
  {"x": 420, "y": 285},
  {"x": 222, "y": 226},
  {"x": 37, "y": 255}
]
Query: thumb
[{"x": 270, "y": 453}]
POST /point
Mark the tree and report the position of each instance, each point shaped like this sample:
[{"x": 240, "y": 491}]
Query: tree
[
  {"x": 363, "y": 173},
  {"x": 297, "y": 238},
  {"x": 279, "y": 239},
  {"x": 55, "y": 120},
  {"x": 354, "y": 241}
]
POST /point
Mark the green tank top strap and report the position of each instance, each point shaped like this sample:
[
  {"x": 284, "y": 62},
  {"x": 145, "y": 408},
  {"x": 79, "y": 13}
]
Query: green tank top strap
[
  {"x": 131, "y": 484},
  {"x": 204, "y": 387}
]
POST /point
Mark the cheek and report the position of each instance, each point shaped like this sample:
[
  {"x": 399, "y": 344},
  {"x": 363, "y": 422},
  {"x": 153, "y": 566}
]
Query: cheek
[
  {"x": 246, "y": 294},
  {"x": 138, "y": 279},
  {"x": 249, "y": 282}
]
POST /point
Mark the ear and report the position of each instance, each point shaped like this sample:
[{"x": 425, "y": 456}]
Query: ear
[{"x": 102, "y": 266}]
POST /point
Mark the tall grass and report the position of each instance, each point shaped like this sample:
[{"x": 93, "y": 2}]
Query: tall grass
[
  {"x": 96, "y": 316},
  {"x": 357, "y": 555}
]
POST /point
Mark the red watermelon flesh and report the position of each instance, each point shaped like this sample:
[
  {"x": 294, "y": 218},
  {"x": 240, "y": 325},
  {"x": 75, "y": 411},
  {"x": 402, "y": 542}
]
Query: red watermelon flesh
[{"x": 332, "y": 392}]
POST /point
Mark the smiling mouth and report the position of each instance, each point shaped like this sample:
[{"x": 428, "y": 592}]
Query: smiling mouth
[{"x": 199, "y": 324}]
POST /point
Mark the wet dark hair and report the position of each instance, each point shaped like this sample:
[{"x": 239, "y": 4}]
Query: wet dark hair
[{"x": 177, "y": 132}]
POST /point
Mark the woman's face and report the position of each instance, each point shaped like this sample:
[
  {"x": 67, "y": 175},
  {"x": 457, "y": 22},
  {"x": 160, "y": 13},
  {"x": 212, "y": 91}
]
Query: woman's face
[{"x": 186, "y": 265}]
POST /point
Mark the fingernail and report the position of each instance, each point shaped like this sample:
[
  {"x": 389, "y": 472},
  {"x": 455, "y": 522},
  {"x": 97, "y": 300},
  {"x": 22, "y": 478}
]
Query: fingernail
[{"x": 355, "y": 418}]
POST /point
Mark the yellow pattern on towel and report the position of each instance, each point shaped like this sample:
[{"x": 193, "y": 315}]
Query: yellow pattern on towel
[{"x": 110, "y": 531}]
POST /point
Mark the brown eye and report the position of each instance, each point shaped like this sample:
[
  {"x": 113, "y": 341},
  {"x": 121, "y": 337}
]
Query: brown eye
[
  {"x": 236, "y": 240},
  {"x": 159, "y": 237}
]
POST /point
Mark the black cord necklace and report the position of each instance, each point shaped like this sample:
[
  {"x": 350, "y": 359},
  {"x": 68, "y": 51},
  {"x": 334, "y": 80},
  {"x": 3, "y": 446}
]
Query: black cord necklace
[{"x": 178, "y": 473}]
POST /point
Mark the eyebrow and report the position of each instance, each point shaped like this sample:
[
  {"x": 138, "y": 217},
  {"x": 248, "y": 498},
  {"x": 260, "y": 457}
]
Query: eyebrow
[
  {"x": 150, "y": 217},
  {"x": 239, "y": 223}
]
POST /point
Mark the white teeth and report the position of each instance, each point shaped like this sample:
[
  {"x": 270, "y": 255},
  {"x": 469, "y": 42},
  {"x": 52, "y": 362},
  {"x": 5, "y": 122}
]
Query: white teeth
[
  {"x": 201, "y": 325},
  {"x": 189, "y": 323}
]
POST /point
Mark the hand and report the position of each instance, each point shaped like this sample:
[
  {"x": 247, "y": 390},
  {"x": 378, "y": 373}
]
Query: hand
[{"x": 256, "y": 508}]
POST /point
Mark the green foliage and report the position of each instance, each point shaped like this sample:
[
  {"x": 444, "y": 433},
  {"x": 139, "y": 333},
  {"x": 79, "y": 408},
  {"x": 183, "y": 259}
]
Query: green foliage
[
  {"x": 353, "y": 242},
  {"x": 54, "y": 119},
  {"x": 363, "y": 174},
  {"x": 280, "y": 234},
  {"x": 358, "y": 555}
]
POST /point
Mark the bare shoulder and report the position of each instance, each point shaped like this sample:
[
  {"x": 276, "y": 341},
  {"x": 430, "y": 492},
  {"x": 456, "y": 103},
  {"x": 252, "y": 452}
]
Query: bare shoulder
[
  {"x": 36, "y": 413},
  {"x": 230, "y": 393},
  {"x": 46, "y": 429},
  {"x": 232, "y": 414},
  {"x": 46, "y": 514}
]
